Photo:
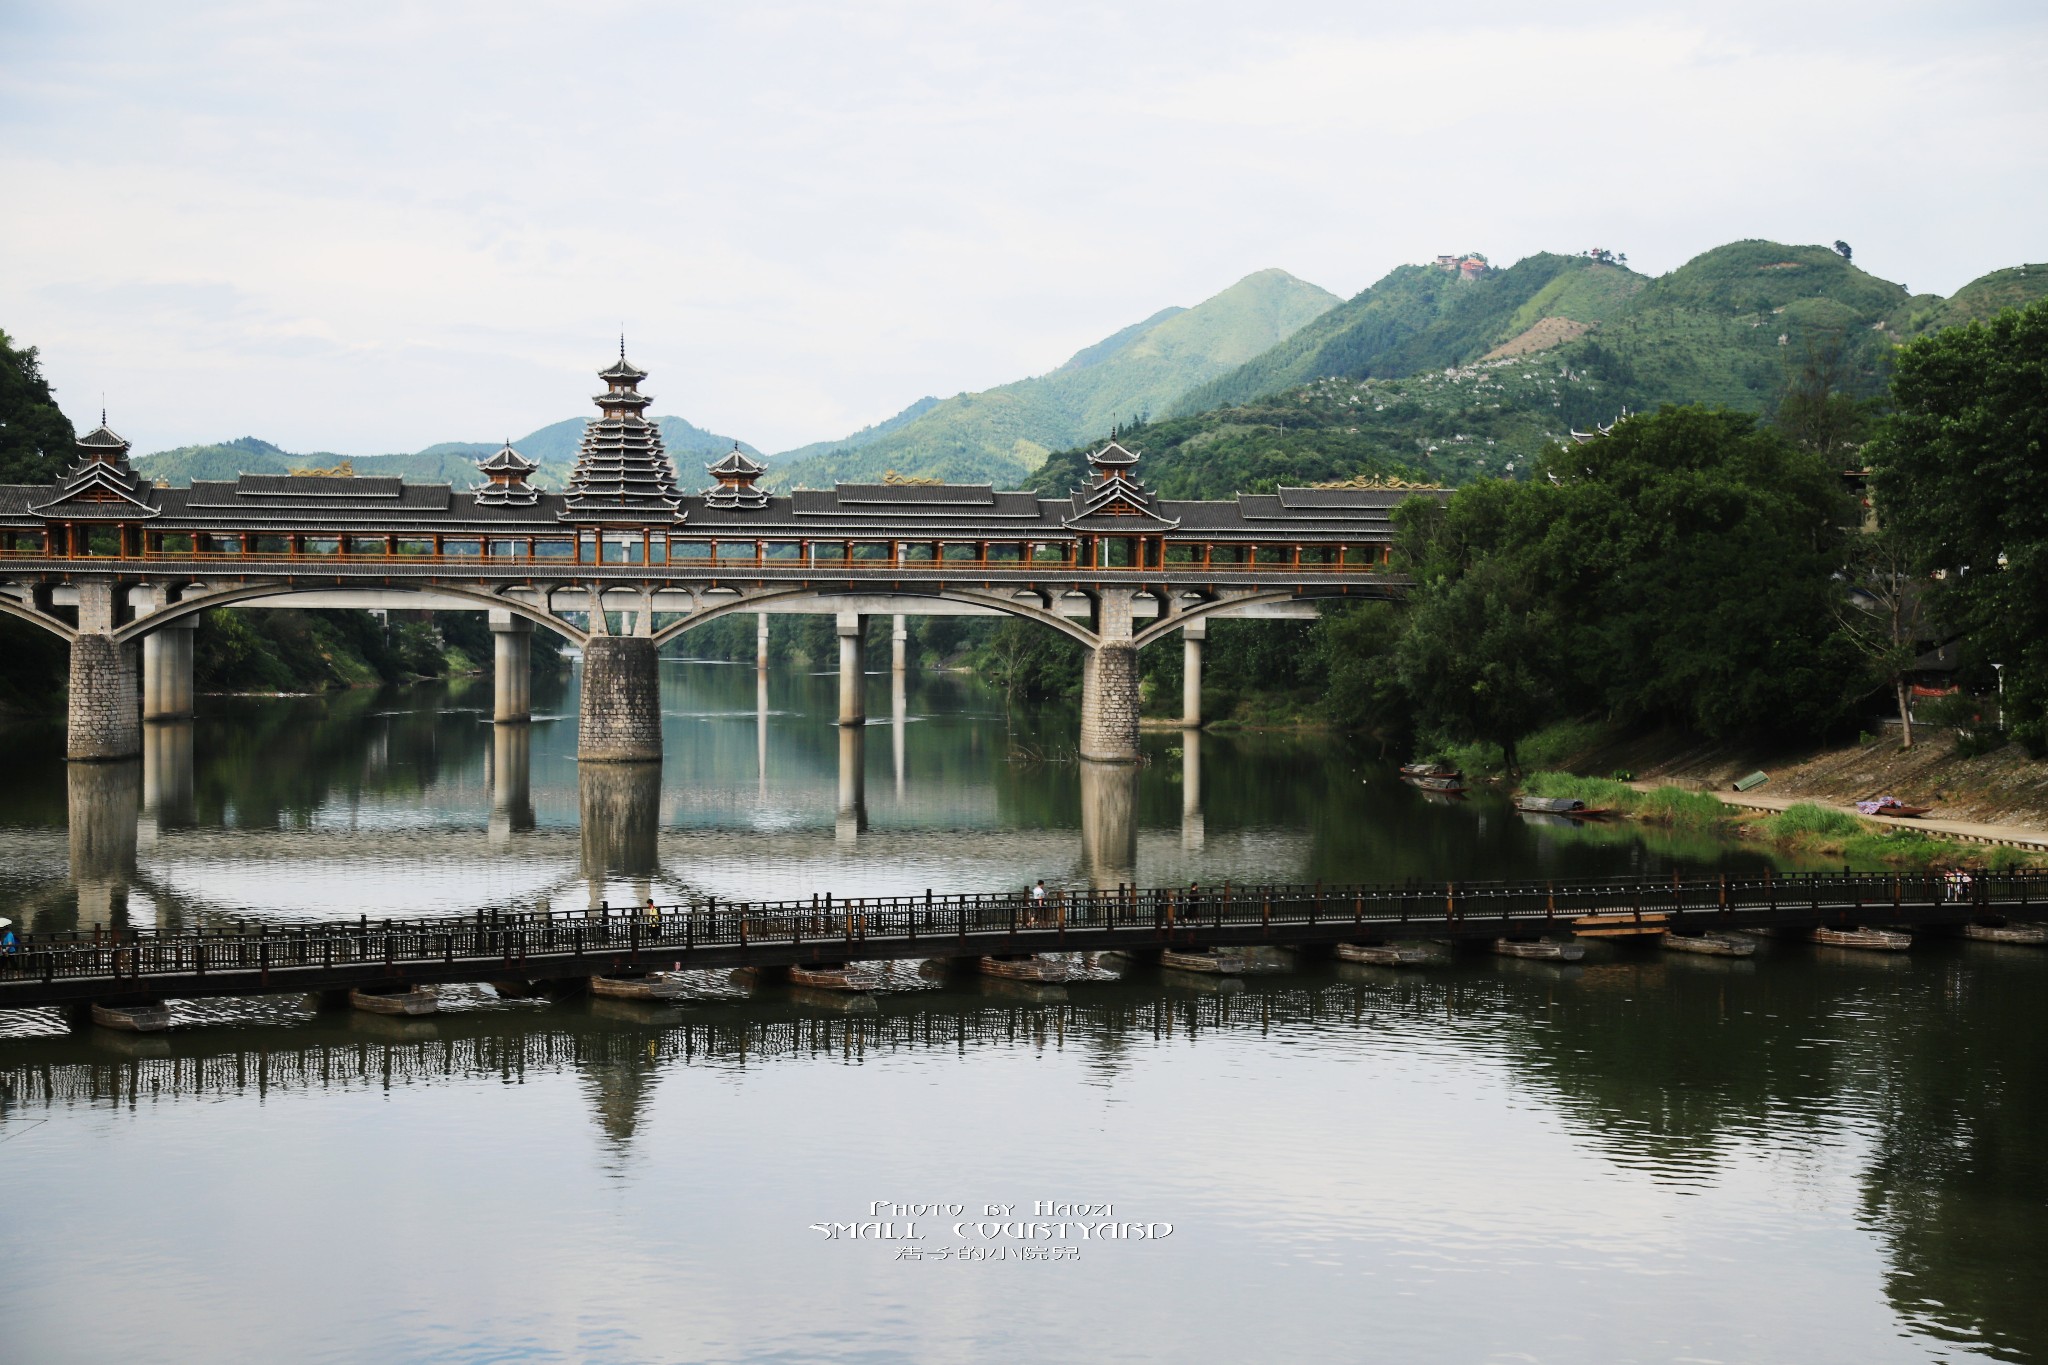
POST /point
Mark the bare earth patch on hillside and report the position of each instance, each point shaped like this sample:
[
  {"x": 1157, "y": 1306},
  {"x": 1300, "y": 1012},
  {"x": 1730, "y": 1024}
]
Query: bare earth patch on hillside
[{"x": 1547, "y": 332}]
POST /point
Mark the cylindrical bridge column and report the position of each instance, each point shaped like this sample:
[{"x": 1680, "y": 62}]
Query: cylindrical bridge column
[
  {"x": 167, "y": 671},
  {"x": 1192, "y": 636},
  {"x": 853, "y": 638},
  {"x": 511, "y": 668},
  {"x": 899, "y": 646},
  {"x": 761, "y": 640},
  {"x": 619, "y": 718},
  {"x": 1109, "y": 703},
  {"x": 105, "y": 704}
]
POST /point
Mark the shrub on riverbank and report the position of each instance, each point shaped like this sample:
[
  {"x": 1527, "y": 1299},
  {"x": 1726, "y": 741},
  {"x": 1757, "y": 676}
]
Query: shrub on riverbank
[
  {"x": 1816, "y": 829},
  {"x": 1810, "y": 821}
]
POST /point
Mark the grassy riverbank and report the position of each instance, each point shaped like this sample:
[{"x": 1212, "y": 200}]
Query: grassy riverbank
[{"x": 1806, "y": 828}]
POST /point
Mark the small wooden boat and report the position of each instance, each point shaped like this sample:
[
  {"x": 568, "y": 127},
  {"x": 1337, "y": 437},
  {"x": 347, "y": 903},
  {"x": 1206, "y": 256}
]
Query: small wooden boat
[
  {"x": 1451, "y": 786},
  {"x": 1213, "y": 963},
  {"x": 1879, "y": 940},
  {"x": 1431, "y": 769},
  {"x": 1712, "y": 945},
  {"x": 132, "y": 1018},
  {"x": 1538, "y": 949},
  {"x": 1023, "y": 967},
  {"x": 415, "y": 1000},
  {"x": 637, "y": 986},
  {"x": 1382, "y": 954},
  {"x": 1620, "y": 924},
  {"x": 842, "y": 978},
  {"x": 1561, "y": 805},
  {"x": 2033, "y": 934}
]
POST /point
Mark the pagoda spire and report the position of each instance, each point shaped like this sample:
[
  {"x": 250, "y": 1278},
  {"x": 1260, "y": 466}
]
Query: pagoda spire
[{"x": 736, "y": 473}]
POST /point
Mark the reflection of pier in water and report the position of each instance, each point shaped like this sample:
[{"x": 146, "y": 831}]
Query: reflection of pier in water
[{"x": 639, "y": 832}]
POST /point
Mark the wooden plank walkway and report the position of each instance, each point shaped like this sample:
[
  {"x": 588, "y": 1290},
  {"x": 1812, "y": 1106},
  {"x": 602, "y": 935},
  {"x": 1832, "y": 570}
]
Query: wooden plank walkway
[{"x": 110, "y": 966}]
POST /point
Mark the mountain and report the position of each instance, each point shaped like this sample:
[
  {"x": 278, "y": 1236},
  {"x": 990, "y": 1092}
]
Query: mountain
[
  {"x": 1001, "y": 434},
  {"x": 1429, "y": 316},
  {"x": 553, "y": 447},
  {"x": 1432, "y": 375}
]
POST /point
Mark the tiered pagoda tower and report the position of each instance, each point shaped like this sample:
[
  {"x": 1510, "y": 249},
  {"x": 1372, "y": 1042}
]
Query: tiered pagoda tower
[
  {"x": 736, "y": 473},
  {"x": 1117, "y": 500},
  {"x": 505, "y": 475},
  {"x": 622, "y": 475},
  {"x": 101, "y": 485}
]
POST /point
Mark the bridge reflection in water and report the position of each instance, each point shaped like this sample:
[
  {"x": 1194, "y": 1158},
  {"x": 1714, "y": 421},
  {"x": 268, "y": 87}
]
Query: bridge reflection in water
[
  {"x": 1936, "y": 1112},
  {"x": 369, "y": 795}
]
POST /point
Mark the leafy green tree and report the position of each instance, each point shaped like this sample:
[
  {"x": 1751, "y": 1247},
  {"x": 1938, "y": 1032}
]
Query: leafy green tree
[
  {"x": 36, "y": 438},
  {"x": 1679, "y": 569},
  {"x": 1959, "y": 471}
]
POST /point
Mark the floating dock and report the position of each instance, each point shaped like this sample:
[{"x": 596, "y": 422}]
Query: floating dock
[
  {"x": 2034, "y": 935},
  {"x": 1877, "y": 940}
]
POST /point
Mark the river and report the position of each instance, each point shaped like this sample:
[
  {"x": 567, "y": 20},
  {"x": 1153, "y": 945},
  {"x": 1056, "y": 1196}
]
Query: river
[{"x": 1809, "y": 1155}]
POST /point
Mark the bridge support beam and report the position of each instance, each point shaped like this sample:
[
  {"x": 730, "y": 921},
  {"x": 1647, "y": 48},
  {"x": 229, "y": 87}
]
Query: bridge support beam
[
  {"x": 511, "y": 668},
  {"x": 619, "y": 718},
  {"x": 167, "y": 671},
  {"x": 899, "y": 646},
  {"x": 106, "y": 700},
  {"x": 1109, "y": 684},
  {"x": 853, "y": 639},
  {"x": 1192, "y": 637}
]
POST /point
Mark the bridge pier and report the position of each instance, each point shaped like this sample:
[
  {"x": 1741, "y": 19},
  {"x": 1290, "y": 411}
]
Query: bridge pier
[
  {"x": 619, "y": 716},
  {"x": 1192, "y": 636},
  {"x": 853, "y": 638},
  {"x": 1109, "y": 684},
  {"x": 105, "y": 720},
  {"x": 761, "y": 640},
  {"x": 511, "y": 668},
  {"x": 899, "y": 646},
  {"x": 167, "y": 670}
]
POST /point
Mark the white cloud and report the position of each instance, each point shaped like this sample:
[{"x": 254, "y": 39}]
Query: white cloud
[{"x": 368, "y": 229}]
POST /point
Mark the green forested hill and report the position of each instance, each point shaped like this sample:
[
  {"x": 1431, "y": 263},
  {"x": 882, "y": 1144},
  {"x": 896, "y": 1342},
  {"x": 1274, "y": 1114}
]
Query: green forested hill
[
  {"x": 1424, "y": 317},
  {"x": 1732, "y": 327},
  {"x": 1001, "y": 434},
  {"x": 450, "y": 462}
]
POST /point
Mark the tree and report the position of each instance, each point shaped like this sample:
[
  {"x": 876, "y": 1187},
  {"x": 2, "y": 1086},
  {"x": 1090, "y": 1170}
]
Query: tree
[
  {"x": 36, "y": 438},
  {"x": 1884, "y": 612},
  {"x": 1815, "y": 412},
  {"x": 1959, "y": 471},
  {"x": 1679, "y": 569},
  {"x": 1842, "y": 249}
]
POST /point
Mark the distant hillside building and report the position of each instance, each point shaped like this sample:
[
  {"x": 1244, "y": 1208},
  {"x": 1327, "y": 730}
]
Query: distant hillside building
[{"x": 1469, "y": 266}]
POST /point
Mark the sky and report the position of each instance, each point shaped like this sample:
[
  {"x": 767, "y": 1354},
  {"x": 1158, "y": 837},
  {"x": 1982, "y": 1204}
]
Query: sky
[{"x": 369, "y": 227}]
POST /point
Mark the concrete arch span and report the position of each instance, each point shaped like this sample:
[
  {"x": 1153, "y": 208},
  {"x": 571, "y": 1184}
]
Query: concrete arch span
[
  {"x": 871, "y": 604},
  {"x": 21, "y": 611},
  {"x": 427, "y": 597}
]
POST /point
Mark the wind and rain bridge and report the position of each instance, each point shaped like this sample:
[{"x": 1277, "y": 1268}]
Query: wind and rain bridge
[{"x": 622, "y": 561}]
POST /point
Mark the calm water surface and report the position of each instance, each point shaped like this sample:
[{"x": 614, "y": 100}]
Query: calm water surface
[{"x": 1808, "y": 1156}]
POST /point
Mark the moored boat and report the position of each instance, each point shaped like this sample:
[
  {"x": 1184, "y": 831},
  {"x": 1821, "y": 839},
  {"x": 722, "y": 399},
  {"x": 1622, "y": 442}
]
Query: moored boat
[
  {"x": 1215, "y": 963},
  {"x": 152, "y": 1018},
  {"x": 841, "y": 978},
  {"x": 1023, "y": 967},
  {"x": 1431, "y": 769},
  {"x": 415, "y": 1000},
  {"x": 1538, "y": 949},
  {"x": 2035, "y": 934},
  {"x": 1567, "y": 806},
  {"x": 1712, "y": 945},
  {"x": 1382, "y": 954},
  {"x": 1879, "y": 940},
  {"x": 637, "y": 986}
]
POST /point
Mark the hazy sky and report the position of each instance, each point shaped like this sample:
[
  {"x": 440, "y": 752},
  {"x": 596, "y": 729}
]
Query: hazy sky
[{"x": 368, "y": 227}]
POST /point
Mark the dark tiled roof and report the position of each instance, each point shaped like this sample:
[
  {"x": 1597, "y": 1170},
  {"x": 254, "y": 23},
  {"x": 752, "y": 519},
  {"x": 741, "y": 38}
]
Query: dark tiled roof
[
  {"x": 507, "y": 461},
  {"x": 1114, "y": 455},
  {"x": 735, "y": 463},
  {"x": 100, "y": 438},
  {"x": 914, "y": 494}
]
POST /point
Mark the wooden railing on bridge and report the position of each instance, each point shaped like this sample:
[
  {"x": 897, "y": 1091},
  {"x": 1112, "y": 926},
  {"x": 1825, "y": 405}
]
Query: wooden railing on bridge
[{"x": 238, "y": 959}]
